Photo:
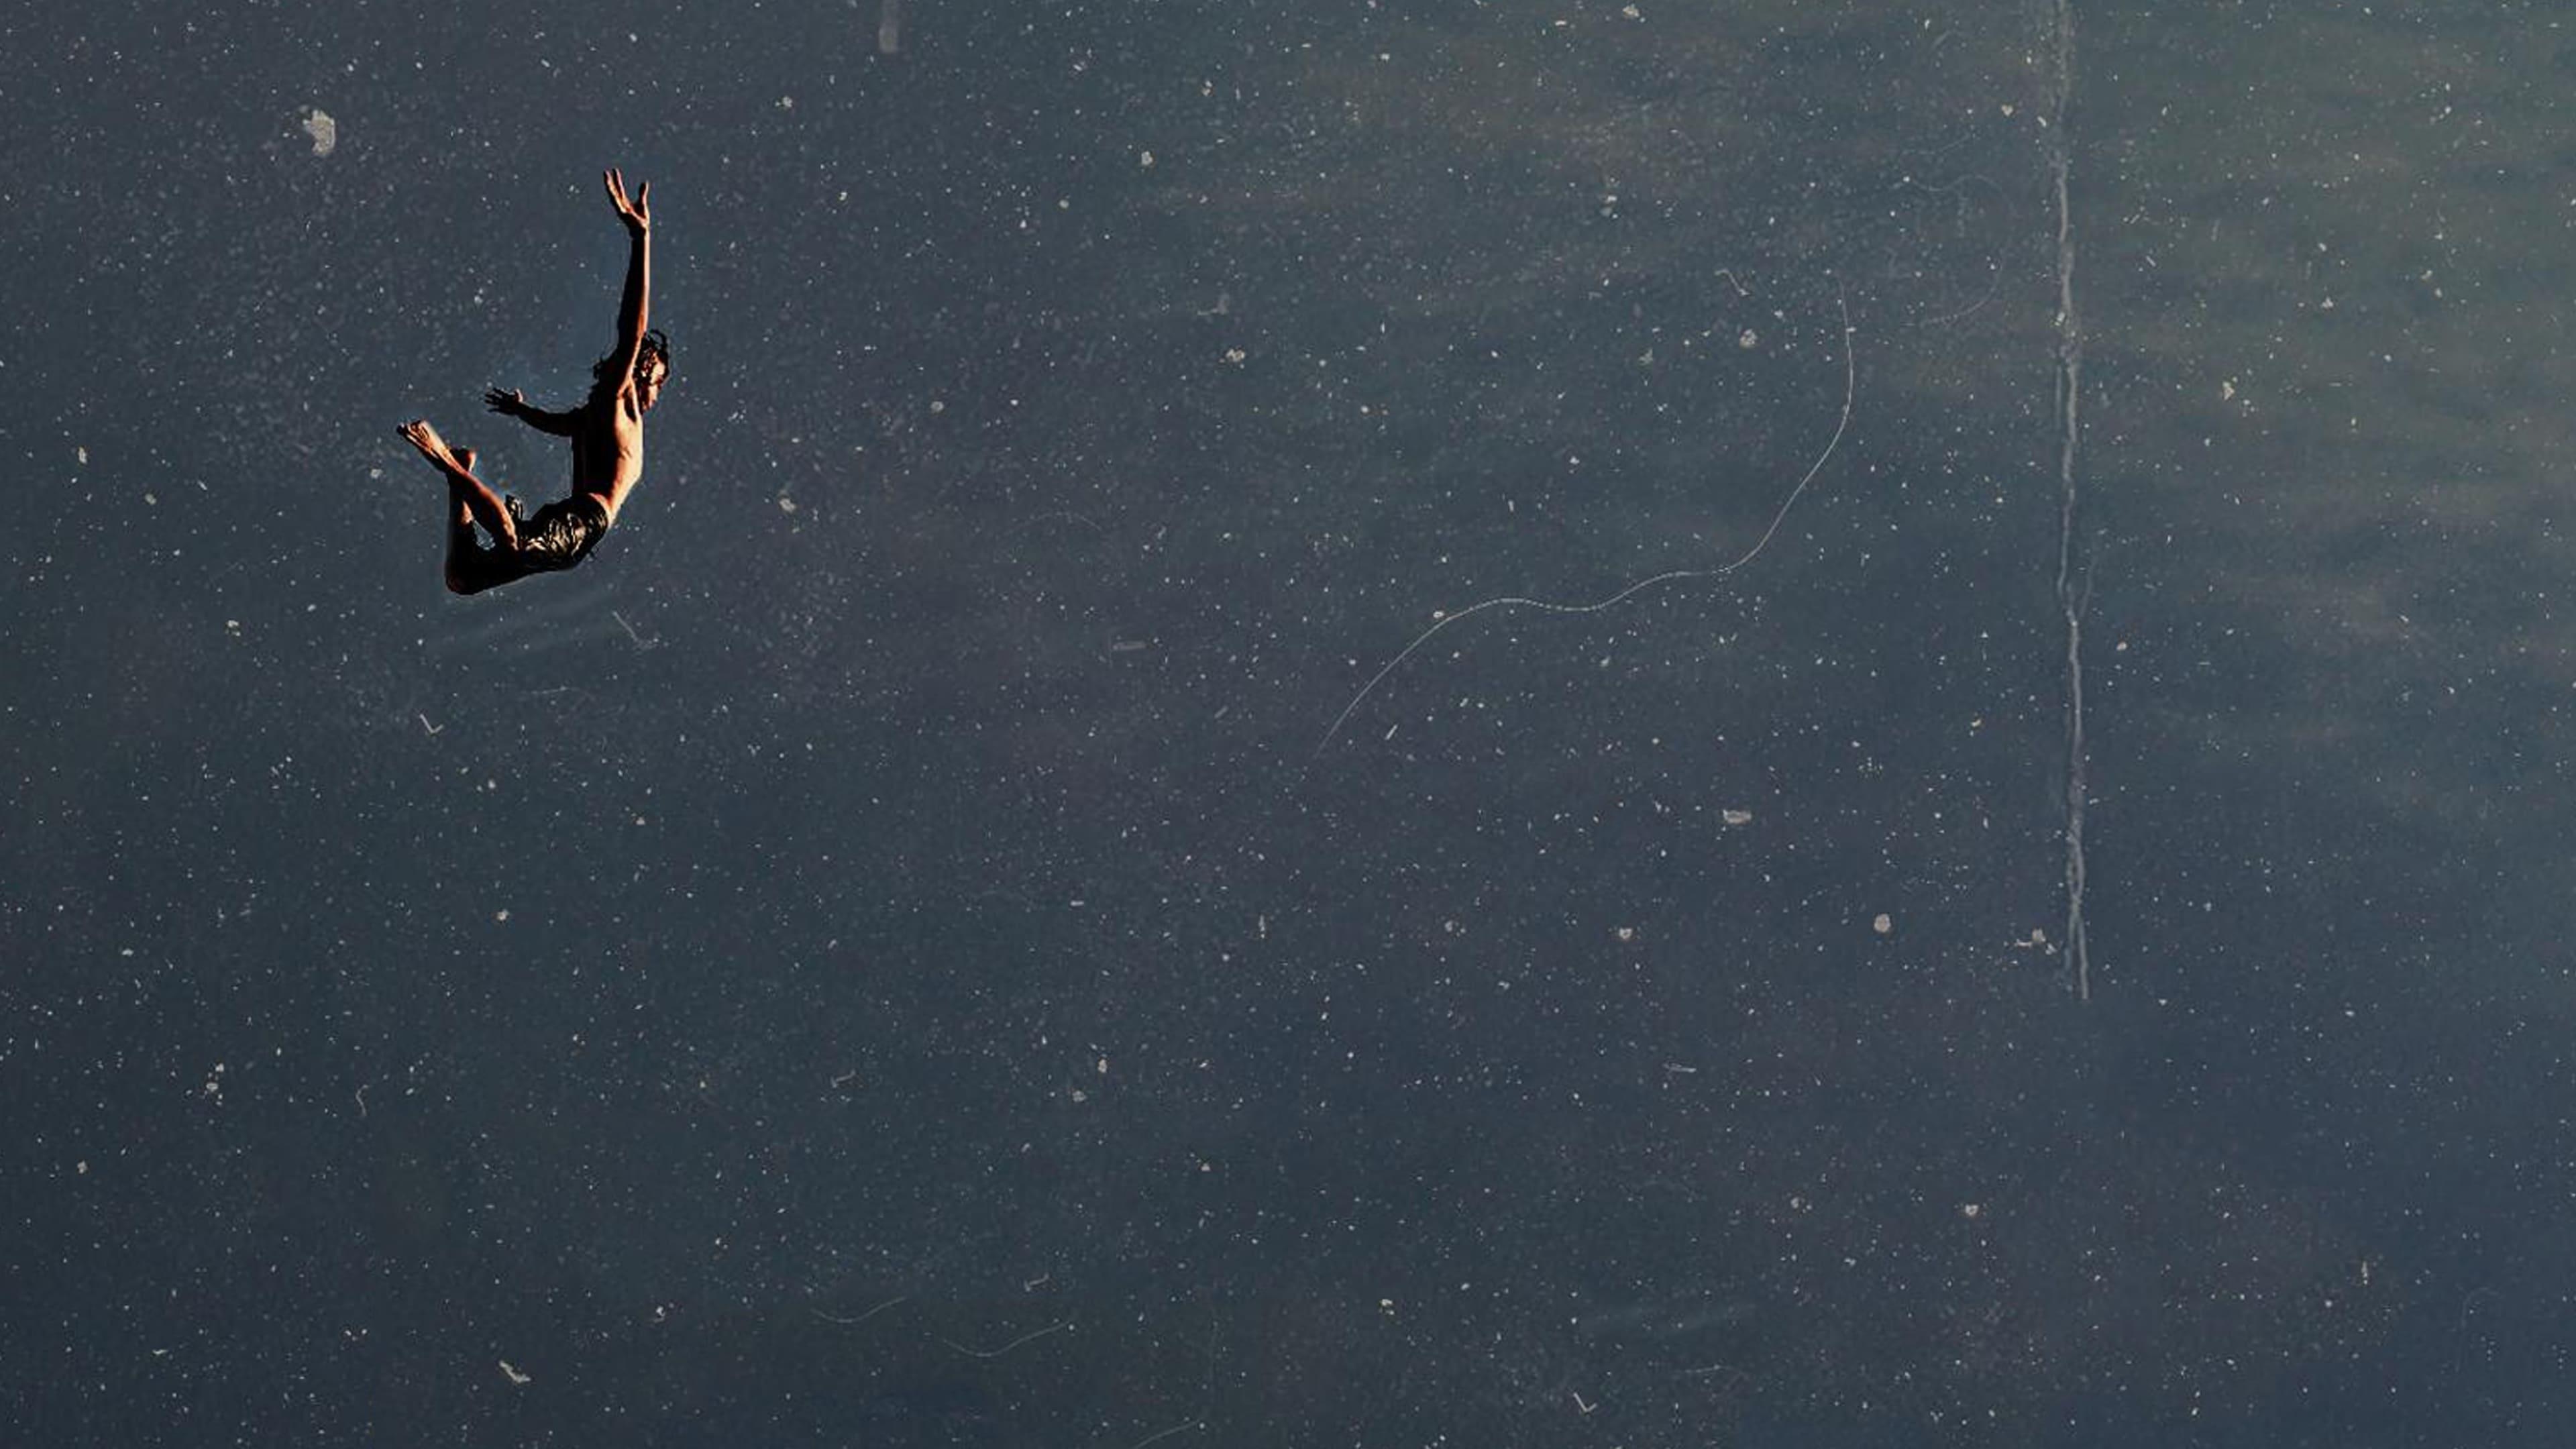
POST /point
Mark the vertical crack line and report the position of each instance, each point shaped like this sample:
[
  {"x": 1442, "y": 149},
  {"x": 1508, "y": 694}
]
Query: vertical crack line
[{"x": 2074, "y": 578}]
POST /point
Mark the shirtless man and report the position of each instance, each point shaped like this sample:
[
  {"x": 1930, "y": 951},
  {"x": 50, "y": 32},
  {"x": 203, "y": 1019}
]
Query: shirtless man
[{"x": 607, "y": 433}]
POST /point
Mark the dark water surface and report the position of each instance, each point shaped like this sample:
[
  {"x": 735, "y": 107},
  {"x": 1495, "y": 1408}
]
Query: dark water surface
[{"x": 898, "y": 950}]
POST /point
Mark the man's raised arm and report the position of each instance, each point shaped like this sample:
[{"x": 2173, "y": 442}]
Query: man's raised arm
[{"x": 637, "y": 303}]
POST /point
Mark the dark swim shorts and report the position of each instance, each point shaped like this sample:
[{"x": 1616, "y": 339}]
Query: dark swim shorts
[
  {"x": 552, "y": 539},
  {"x": 560, "y": 534}
]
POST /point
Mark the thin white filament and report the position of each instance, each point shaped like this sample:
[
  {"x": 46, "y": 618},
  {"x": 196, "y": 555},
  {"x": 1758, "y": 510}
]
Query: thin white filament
[{"x": 1779, "y": 515}]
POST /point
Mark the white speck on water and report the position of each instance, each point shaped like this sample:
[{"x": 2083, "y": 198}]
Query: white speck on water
[{"x": 324, "y": 131}]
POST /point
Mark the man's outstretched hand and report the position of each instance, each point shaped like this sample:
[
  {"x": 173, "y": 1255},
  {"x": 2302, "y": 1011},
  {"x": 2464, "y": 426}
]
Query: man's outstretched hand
[
  {"x": 636, "y": 215},
  {"x": 509, "y": 404}
]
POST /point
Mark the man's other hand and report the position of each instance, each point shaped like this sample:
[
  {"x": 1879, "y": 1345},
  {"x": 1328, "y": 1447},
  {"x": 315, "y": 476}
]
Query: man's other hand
[{"x": 636, "y": 215}]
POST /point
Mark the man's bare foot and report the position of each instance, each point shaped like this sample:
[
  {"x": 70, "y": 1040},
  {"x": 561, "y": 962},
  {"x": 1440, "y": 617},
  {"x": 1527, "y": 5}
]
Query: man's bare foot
[{"x": 422, "y": 436}]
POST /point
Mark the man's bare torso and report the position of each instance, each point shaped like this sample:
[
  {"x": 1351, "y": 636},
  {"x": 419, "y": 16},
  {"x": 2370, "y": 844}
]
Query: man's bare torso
[{"x": 608, "y": 447}]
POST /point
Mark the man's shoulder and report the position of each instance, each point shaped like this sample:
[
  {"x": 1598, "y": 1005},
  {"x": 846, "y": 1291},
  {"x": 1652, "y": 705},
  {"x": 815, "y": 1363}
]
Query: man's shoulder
[{"x": 613, "y": 400}]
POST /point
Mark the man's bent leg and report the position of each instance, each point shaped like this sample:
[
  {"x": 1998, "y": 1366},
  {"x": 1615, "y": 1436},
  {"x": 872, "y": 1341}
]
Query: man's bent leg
[
  {"x": 470, "y": 567},
  {"x": 461, "y": 547},
  {"x": 484, "y": 506},
  {"x": 462, "y": 512},
  {"x": 462, "y": 485}
]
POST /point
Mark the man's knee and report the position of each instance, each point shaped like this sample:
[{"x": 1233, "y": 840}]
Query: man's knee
[{"x": 466, "y": 579}]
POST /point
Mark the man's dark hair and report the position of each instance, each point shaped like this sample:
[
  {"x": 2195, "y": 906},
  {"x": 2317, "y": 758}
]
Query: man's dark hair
[{"x": 656, "y": 348}]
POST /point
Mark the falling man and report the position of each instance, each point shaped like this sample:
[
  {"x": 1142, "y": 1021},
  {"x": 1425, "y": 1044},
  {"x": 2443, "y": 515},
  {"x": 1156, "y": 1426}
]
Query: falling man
[{"x": 606, "y": 430}]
